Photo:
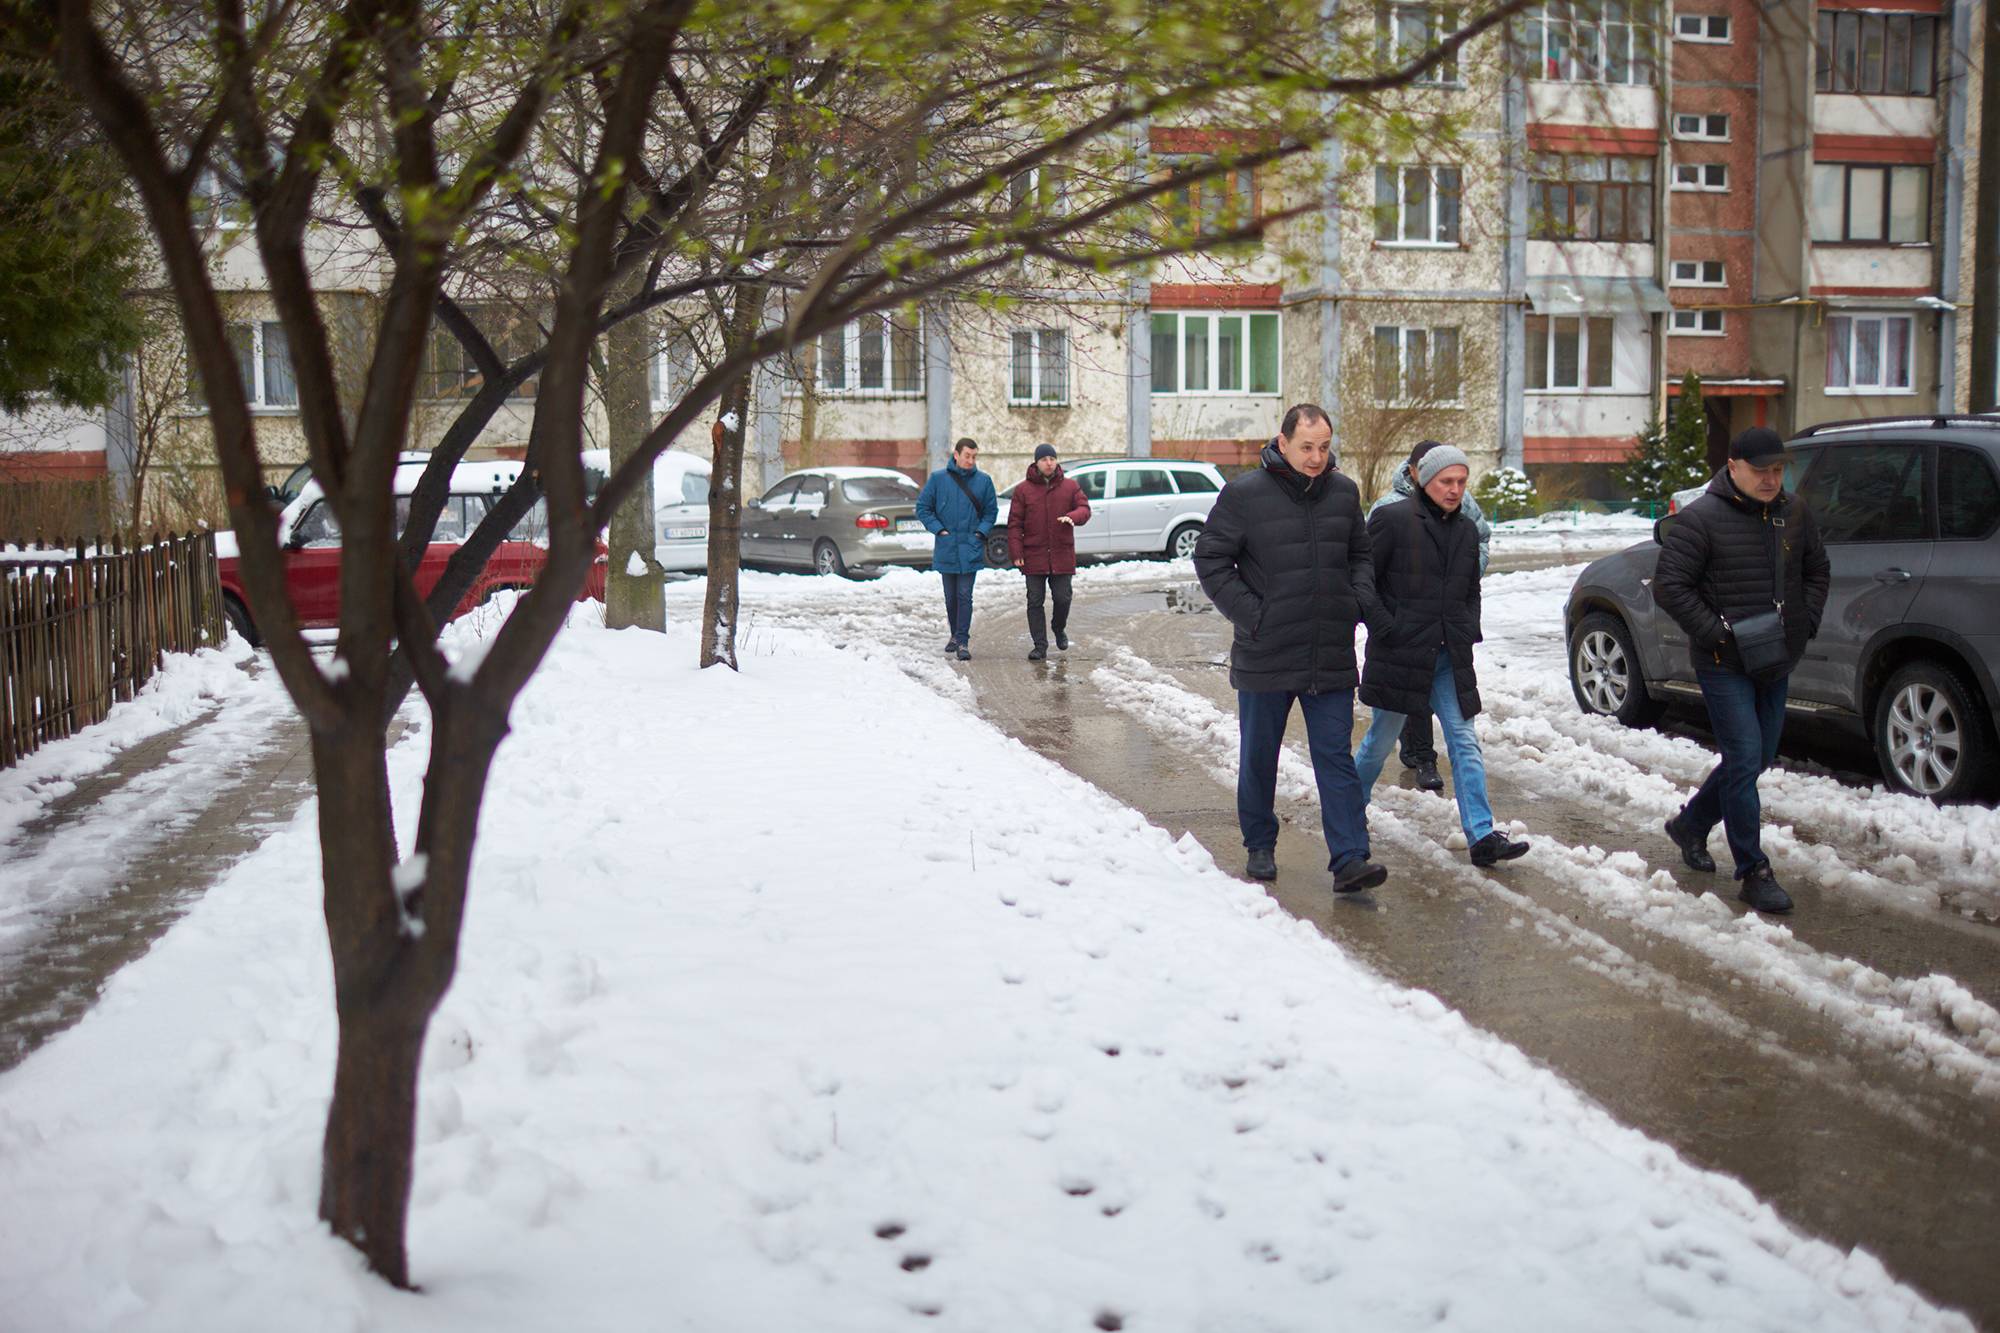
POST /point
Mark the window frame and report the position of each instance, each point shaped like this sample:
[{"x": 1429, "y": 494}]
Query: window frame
[
  {"x": 850, "y": 344},
  {"x": 1585, "y": 363},
  {"x": 1554, "y": 62},
  {"x": 1436, "y": 195},
  {"x": 505, "y": 335},
  {"x": 1706, "y": 131},
  {"x": 1701, "y": 268},
  {"x": 1879, "y": 389},
  {"x": 1601, "y": 185},
  {"x": 1700, "y": 183},
  {"x": 1705, "y": 31},
  {"x": 1888, "y": 171},
  {"x": 1834, "y": 25},
  {"x": 1038, "y": 367},
  {"x": 1703, "y": 318},
  {"x": 1405, "y": 335},
  {"x": 1214, "y": 317},
  {"x": 1391, "y": 48},
  {"x": 255, "y": 384},
  {"x": 1830, "y": 517}
]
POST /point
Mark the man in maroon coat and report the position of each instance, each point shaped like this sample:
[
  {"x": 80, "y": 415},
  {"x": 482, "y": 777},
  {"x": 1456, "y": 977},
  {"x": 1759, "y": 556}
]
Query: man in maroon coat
[{"x": 1041, "y": 537}]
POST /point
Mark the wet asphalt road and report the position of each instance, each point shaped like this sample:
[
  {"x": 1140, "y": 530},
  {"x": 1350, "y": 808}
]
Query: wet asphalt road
[{"x": 1850, "y": 1141}]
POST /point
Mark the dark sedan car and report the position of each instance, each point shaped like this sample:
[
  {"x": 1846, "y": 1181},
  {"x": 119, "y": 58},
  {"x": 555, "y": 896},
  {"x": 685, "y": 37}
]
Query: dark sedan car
[{"x": 1909, "y": 649}]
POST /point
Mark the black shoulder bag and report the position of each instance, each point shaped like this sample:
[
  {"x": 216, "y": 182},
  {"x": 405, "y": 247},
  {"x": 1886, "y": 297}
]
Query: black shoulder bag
[
  {"x": 1760, "y": 639},
  {"x": 966, "y": 486}
]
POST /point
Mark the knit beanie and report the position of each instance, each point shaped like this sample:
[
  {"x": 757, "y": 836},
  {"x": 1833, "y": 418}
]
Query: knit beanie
[
  {"x": 1044, "y": 451},
  {"x": 1437, "y": 460}
]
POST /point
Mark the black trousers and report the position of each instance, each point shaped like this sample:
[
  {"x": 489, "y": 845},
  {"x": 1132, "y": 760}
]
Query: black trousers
[
  {"x": 1419, "y": 745},
  {"x": 1059, "y": 585}
]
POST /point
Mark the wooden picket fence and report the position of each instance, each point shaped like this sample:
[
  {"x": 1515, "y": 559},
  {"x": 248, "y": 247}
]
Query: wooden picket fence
[{"x": 82, "y": 630}]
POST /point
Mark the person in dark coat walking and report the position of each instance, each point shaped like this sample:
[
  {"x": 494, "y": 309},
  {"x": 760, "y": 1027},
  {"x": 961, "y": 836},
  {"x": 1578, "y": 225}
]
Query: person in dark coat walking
[
  {"x": 1285, "y": 558},
  {"x": 1427, "y": 575},
  {"x": 1419, "y": 747},
  {"x": 959, "y": 506},
  {"x": 1041, "y": 538},
  {"x": 1719, "y": 565}
]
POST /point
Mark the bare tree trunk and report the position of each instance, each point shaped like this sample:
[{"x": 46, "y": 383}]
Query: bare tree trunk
[
  {"x": 631, "y": 600},
  {"x": 725, "y": 496}
]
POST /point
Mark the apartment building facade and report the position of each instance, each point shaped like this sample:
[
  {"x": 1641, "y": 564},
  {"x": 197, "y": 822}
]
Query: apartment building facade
[{"x": 1775, "y": 196}]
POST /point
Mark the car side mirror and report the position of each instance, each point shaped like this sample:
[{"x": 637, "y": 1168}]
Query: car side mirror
[
  {"x": 275, "y": 496},
  {"x": 1661, "y": 526}
]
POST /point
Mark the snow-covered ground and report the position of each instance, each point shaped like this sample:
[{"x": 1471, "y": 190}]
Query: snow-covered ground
[
  {"x": 1574, "y": 533},
  {"x": 800, "y": 998}
]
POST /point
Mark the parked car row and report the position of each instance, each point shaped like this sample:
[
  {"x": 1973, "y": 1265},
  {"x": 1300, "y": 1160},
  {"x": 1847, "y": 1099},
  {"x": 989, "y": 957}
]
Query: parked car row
[{"x": 1909, "y": 648}]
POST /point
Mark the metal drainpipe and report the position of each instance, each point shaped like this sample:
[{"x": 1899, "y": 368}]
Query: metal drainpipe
[
  {"x": 1139, "y": 326},
  {"x": 1949, "y": 258},
  {"x": 1514, "y": 265}
]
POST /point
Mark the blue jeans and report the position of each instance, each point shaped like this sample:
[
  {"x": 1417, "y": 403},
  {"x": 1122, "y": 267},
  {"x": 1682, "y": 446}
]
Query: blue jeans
[
  {"x": 1261, "y": 716},
  {"x": 958, "y": 605},
  {"x": 1461, "y": 742},
  {"x": 1748, "y": 718}
]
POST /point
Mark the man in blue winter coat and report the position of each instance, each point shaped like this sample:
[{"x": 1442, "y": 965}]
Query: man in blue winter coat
[{"x": 959, "y": 506}]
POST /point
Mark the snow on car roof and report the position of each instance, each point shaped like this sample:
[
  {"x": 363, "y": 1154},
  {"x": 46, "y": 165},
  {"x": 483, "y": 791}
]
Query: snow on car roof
[
  {"x": 672, "y": 460},
  {"x": 849, "y": 473}
]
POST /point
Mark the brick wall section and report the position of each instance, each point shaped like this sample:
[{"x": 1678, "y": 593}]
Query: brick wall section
[
  {"x": 1729, "y": 355},
  {"x": 1703, "y": 75}
]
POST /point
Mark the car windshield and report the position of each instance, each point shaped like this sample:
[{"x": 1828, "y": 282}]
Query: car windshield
[{"x": 879, "y": 490}]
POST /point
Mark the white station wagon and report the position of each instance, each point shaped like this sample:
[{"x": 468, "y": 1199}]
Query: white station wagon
[{"x": 1138, "y": 506}]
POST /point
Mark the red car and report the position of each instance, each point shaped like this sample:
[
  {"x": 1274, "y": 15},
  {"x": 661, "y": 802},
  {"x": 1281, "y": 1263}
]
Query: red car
[{"x": 310, "y": 539}]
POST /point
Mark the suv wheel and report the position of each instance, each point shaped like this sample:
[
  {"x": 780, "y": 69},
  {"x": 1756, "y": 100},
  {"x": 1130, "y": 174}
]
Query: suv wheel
[
  {"x": 1604, "y": 672},
  {"x": 239, "y": 620},
  {"x": 1180, "y": 546},
  {"x": 996, "y": 550},
  {"x": 826, "y": 559},
  {"x": 1928, "y": 734}
]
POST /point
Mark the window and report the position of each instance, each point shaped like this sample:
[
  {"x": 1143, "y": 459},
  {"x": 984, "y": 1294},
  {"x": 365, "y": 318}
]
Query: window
[
  {"x": 1215, "y": 352},
  {"x": 1701, "y": 176},
  {"x": 1037, "y": 190},
  {"x": 1214, "y": 203},
  {"x": 1894, "y": 54},
  {"x": 1194, "y": 483},
  {"x": 1574, "y": 198},
  {"x": 1865, "y": 352},
  {"x": 1871, "y": 204},
  {"x": 1569, "y": 352},
  {"x": 455, "y": 522},
  {"x": 781, "y": 494},
  {"x": 1415, "y": 367},
  {"x": 1404, "y": 32},
  {"x": 1040, "y": 367},
  {"x": 1091, "y": 483},
  {"x": 671, "y": 372},
  {"x": 317, "y": 527},
  {"x": 1869, "y": 493},
  {"x": 263, "y": 363},
  {"x": 867, "y": 490},
  {"x": 1701, "y": 27},
  {"x": 449, "y": 371},
  {"x": 1416, "y": 205},
  {"x": 1706, "y": 128},
  {"x": 1698, "y": 273},
  {"x": 1136, "y": 483},
  {"x": 218, "y": 203},
  {"x": 876, "y": 353},
  {"x": 1699, "y": 323},
  {"x": 1589, "y": 44},
  {"x": 812, "y": 493},
  {"x": 1968, "y": 495}
]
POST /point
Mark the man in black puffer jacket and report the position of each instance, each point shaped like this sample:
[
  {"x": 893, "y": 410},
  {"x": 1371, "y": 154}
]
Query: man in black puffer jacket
[
  {"x": 1427, "y": 574},
  {"x": 1285, "y": 557},
  {"x": 1719, "y": 565}
]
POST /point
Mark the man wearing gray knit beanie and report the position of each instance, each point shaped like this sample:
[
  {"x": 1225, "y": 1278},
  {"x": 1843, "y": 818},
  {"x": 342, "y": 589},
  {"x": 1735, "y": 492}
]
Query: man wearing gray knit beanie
[{"x": 1427, "y": 577}]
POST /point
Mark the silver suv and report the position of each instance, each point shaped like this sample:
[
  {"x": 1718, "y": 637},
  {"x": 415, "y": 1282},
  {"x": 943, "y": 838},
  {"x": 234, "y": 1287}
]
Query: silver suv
[
  {"x": 1909, "y": 648},
  {"x": 1138, "y": 506}
]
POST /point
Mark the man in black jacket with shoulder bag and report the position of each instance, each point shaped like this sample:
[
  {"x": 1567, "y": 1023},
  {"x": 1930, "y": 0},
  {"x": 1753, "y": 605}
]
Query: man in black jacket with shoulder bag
[
  {"x": 1285, "y": 557},
  {"x": 1743, "y": 572}
]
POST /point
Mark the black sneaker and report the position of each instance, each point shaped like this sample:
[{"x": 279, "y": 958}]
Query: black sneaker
[
  {"x": 951, "y": 647},
  {"x": 1427, "y": 777},
  {"x": 1263, "y": 864},
  {"x": 1494, "y": 848},
  {"x": 1062, "y": 641},
  {"x": 1763, "y": 892},
  {"x": 1358, "y": 875},
  {"x": 964, "y": 653},
  {"x": 1037, "y": 653},
  {"x": 1694, "y": 851}
]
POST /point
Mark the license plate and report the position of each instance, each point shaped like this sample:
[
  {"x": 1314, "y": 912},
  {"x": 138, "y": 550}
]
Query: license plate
[
  {"x": 686, "y": 534},
  {"x": 917, "y": 543},
  {"x": 909, "y": 525}
]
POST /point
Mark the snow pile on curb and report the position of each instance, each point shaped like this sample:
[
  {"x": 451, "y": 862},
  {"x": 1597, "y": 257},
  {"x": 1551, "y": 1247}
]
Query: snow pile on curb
[{"x": 801, "y": 999}]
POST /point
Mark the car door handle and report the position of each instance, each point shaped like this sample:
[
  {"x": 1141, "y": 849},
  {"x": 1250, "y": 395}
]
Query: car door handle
[{"x": 1892, "y": 575}]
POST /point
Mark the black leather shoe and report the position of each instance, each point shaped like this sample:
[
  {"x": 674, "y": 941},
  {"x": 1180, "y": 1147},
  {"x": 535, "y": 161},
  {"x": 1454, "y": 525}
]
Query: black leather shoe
[
  {"x": 1763, "y": 892},
  {"x": 1062, "y": 641},
  {"x": 1263, "y": 864},
  {"x": 1494, "y": 848},
  {"x": 1694, "y": 851},
  {"x": 1427, "y": 777},
  {"x": 1037, "y": 653},
  {"x": 1358, "y": 875},
  {"x": 964, "y": 653},
  {"x": 951, "y": 647}
]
